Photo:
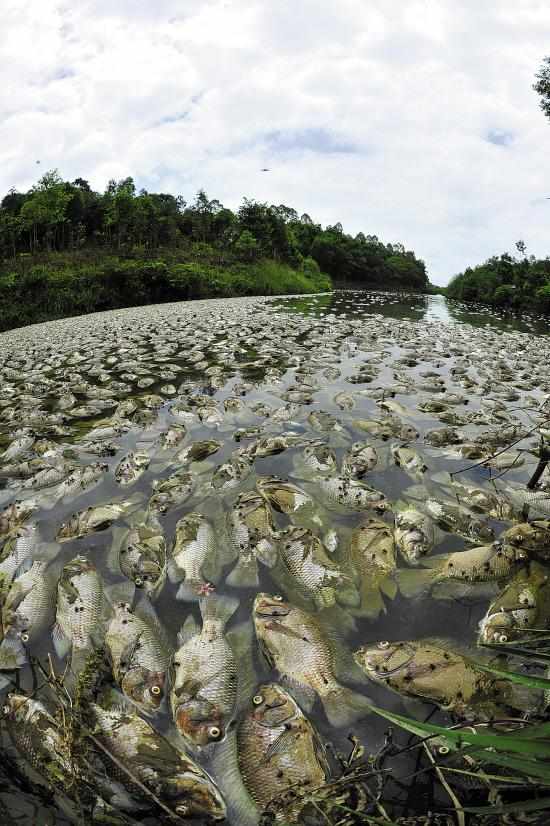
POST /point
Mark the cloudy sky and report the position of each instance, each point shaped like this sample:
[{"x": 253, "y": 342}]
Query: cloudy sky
[{"x": 413, "y": 120}]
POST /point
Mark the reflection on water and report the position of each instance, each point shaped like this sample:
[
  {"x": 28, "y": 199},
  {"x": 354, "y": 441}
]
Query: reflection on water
[{"x": 415, "y": 307}]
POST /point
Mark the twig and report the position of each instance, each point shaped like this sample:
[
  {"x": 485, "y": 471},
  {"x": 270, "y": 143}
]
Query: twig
[{"x": 460, "y": 816}]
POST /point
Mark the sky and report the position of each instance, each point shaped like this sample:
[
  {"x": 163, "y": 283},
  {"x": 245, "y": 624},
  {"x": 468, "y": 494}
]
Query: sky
[{"x": 413, "y": 120}]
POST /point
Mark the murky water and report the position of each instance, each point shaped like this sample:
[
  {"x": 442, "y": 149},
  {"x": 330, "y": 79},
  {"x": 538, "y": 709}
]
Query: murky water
[{"x": 178, "y": 363}]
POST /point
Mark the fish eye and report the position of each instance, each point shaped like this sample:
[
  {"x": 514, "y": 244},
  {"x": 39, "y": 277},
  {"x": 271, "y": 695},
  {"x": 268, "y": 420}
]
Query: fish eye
[
  {"x": 156, "y": 689},
  {"x": 24, "y": 636},
  {"x": 277, "y": 597},
  {"x": 257, "y": 699},
  {"x": 214, "y": 732},
  {"x": 5, "y": 709},
  {"x": 138, "y": 581},
  {"x": 503, "y": 638},
  {"x": 444, "y": 750},
  {"x": 384, "y": 644}
]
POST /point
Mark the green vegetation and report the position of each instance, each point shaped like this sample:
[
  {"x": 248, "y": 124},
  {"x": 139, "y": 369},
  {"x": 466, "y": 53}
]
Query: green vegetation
[
  {"x": 67, "y": 250},
  {"x": 506, "y": 282}
]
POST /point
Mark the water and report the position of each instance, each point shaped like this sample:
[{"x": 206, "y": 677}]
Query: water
[{"x": 270, "y": 346}]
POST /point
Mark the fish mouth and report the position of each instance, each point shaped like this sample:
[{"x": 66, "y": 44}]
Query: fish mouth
[{"x": 268, "y": 606}]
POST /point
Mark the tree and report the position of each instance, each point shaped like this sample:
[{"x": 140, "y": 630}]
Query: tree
[
  {"x": 45, "y": 209},
  {"x": 542, "y": 86},
  {"x": 521, "y": 247}
]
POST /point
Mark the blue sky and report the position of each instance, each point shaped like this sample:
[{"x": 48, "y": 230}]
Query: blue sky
[{"x": 414, "y": 121}]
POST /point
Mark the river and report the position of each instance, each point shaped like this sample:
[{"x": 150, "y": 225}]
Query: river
[{"x": 319, "y": 371}]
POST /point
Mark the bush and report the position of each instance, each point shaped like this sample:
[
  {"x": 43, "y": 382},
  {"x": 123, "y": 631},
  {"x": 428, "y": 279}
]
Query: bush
[{"x": 67, "y": 285}]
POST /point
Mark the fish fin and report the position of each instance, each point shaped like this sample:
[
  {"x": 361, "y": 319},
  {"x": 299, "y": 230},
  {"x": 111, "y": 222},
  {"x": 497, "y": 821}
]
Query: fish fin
[
  {"x": 146, "y": 611},
  {"x": 224, "y": 766},
  {"x": 47, "y": 551},
  {"x": 118, "y": 533},
  {"x": 303, "y": 694},
  {"x": 188, "y": 591},
  {"x": 324, "y": 598},
  {"x": 241, "y": 640},
  {"x": 372, "y": 602},
  {"x": 347, "y": 595},
  {"x": 123, "y": 591},
  {"x": 61, "y": 642},
  {"x": 244, "y": 574},
  {"x": 266, "y": 552},
  {"x": 218, "y": 608},
  {"x": 344, "y": 706},
  {"x": 189, "y": 629},
  {"x": 418, "y": 493},
  {"x": 12, "y": 653},
  {"x": 138, "y": 517},
  {"x": 132, "y": 504},
  {"x": 173, "y": 570},
  {"x": 414, "y": 583},
  {"x": 443, "y": 478}
]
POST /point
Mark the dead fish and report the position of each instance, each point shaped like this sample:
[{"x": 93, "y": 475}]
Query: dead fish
[
  {"x": 278, "y": 748},
  {"x": 435, "y": 671},
  {"x": 312, "y": 571},
  {"x": 230, "y": 474},
  {"x": 296, "y": 644},
  {"x": 140, "y": 554},
  {"x": 415, "y": 534},
  {"x": 523, "y": 604},
  {"x": 408, "y": 459},
  {"x": 372, "y": 554},
  {"x": 28, "y": 606},
  {"x": 487, "y": 563},
  {"x": 166, "y": 771},
  {"x": 93, "y": 519},
  {"x": 198, "y": 451},
  {"x": 359, "y": 460},
  {"x": 171, "y": 492},
  {"x": 80, "y": 609},
  {"x": 193, "y": 550},
  {"x": 283, "y": 495},
  {"x": 139, "y": 655},
  {"x": 350, "y": 493},
  {"x": 132, "y": 467},
  {"x": 251, "y": 532},
  {"x": 15, "y": 515},
  {"x": 204, "y": 679},
  {"x": 458, "y": 520}
]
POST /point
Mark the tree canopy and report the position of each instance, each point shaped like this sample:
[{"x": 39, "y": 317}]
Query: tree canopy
[{"x": 57, "y": 215}]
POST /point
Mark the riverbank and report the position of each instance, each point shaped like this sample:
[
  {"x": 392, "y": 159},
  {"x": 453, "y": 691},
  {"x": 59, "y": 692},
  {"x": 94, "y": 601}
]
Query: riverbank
[{"x": 71, "y": 285}]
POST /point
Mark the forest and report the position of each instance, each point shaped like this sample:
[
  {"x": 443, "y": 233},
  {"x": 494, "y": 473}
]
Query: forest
[
  {"x": 66, "y": 250},
  {"x": 511, "y": 283}
]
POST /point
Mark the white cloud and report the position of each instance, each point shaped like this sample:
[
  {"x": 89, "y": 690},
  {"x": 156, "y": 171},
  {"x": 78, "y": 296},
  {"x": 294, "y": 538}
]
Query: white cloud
[{"x": 411, "y": 119}]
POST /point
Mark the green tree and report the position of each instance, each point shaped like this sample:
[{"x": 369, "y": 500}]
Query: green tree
[{"x": 542, "y": 86}]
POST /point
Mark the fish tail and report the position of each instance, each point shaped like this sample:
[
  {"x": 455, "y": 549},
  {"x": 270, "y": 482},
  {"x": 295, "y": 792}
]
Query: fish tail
[
  {"x": 414, "y": 583},
  {"x": 224, "y": 766},
  {"x": 218, "y": 608},
  {"x": 348, "y": 595},
  {"x": 343, "y": 706},
  {"x": 189, "y": 591},
  {"x": 371, "y": 592},
  {"x": 244, "y": 574}
]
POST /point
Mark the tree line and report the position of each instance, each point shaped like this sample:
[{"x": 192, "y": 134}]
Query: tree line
[
  {"x": 506, "y": 281},
  {"x": 62, "y": 216}
]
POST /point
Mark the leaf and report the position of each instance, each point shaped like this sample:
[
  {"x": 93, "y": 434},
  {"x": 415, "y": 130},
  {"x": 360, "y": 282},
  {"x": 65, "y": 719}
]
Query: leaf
[
  {"x": 505, "y": 742},
  {"x": 525, "y": 654},
  {"x": 514, "y": 677},
  {"x": 529, "y": 768},
  {"x": 519, "y": 806}
]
